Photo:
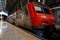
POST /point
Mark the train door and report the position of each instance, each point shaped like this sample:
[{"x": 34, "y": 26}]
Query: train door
[
  {"x": 26, "y": 19},
  {"x": 19, "y": 19}
]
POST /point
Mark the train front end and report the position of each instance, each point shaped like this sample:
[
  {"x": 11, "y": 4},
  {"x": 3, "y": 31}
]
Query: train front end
[{"x": 42, "y": 19}]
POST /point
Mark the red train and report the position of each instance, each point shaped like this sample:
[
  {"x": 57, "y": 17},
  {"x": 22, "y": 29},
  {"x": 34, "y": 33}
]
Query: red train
[{"x": 36, "y": 17}]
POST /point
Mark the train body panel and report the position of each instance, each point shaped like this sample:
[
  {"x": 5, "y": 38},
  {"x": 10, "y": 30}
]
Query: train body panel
[
  {"x": 27, "y": 22},
  {"x": 23, "y": 20},
  {"x": 38, "y": 16}
]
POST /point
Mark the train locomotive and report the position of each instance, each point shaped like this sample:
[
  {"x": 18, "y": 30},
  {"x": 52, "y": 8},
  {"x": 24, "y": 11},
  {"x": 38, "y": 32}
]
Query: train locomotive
[{"x": 36, "y": 17}]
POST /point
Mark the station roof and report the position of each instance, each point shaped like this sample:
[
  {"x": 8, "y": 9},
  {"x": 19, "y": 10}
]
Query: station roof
[{"x": 10, "y": 3}]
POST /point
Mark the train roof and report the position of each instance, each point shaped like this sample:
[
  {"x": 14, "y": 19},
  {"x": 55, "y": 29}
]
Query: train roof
[{"x": 40, "y": 3}]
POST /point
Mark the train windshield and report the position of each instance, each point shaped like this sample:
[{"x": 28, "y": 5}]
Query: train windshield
[
  {"x": 38, "y": 8},
  {"x": 41, "y": 9}
]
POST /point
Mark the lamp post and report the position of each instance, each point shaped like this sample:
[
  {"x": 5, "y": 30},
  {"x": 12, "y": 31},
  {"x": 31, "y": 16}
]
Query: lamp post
[
  {"x": 1, "y": 19},
  {"x": 43, "y": 1},
  {"x": 39, "y": 0}
]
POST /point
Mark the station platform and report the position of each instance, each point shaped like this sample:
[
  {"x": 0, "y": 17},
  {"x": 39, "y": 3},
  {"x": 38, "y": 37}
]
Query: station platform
[{"x": 11, "y": 32}]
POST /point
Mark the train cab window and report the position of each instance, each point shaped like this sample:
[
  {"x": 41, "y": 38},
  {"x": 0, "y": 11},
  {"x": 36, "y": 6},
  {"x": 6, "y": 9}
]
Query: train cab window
[
  {"x": 38, "y": 8},
  {"x": 46, "y": 11},
  {"x": 41, "y": 9}
]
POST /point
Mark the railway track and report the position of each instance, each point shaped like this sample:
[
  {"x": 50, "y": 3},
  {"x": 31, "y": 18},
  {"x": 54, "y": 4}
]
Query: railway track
[
  {"x": 55, "y": 36},
  {"x": 31, "y": 32}
]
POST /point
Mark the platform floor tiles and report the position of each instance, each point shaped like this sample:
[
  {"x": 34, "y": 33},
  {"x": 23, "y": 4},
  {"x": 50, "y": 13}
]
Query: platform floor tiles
[{"x": 11, "y": 32}]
